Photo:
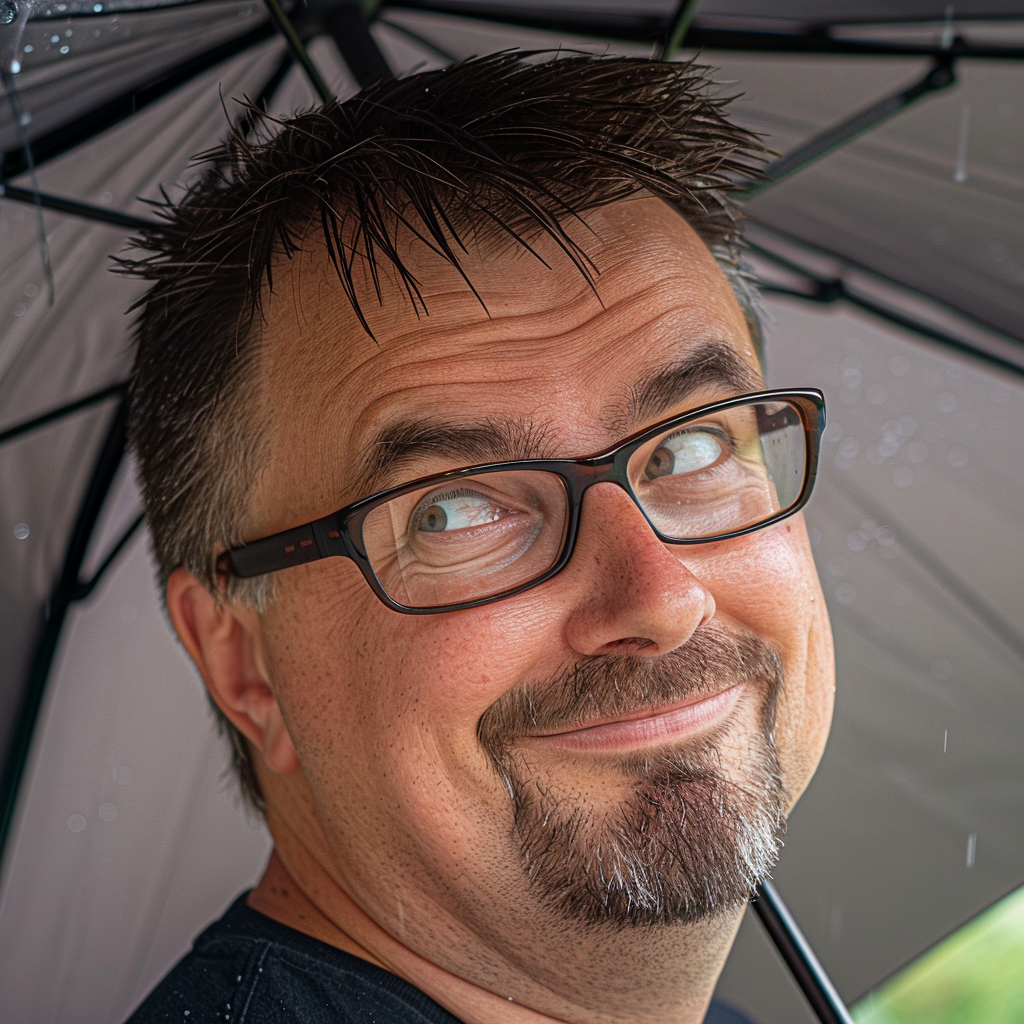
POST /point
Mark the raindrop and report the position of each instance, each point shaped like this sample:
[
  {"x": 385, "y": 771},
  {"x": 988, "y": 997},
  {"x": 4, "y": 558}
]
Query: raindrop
[
  {"x": 54, "y": 39},
  {"x": 838, "y": 566},
  {"x": 65, "y": 49},
  {"x": 29, "y": 49},
  {"x": 945, "y": 739},
  {"x": 886, "y": 536},
  {"x": 25, "y": 119},
  {"x": 122, "y": 775},
  {"x": 98, "y": 9},
  {"x": 946, "y": 39},
  {"x": 31, "y": 290},
  {"x": 8, "y": 12},
  {"x": 960, "y": 174},
  {"x": 849, "y": 448},
  {"x": 832, "y": 432},
  {"x": 76, "y": 822},
  {"x": 239, "y": 978},
  {"x": 106, "y": 198},
  {"x": 902, "y": 476},
  {"x": 845, "y": 593},
  {"x": 857, "y": 541},
  {"x": 107, "y": 812},
  {"x": 21, "y": 531},
  {"x": 70, "y": 32},
  {"x": 957, "y": 456},
  {"x": 15, "y": 67},
  {"x": 972, "y": 843},
  {"x": 19, "y": 309}
]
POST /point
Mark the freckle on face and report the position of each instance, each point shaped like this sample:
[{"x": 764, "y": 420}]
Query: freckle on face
[{"x": 552, "y": 353}]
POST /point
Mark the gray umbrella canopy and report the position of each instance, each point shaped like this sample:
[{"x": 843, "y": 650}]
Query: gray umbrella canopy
[{"x": 895, "y": 265}]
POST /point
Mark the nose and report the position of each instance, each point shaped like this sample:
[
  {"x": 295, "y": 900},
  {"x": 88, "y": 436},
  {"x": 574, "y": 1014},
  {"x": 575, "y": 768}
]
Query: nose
[{"x": 631, "y": 593}]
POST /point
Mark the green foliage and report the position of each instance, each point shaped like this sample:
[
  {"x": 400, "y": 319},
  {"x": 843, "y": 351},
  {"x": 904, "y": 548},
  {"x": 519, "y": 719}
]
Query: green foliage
[{"x": 975, "y": 976}]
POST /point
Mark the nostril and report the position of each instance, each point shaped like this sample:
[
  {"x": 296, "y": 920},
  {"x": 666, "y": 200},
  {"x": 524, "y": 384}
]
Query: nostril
[{"x": 637, "y": 643}]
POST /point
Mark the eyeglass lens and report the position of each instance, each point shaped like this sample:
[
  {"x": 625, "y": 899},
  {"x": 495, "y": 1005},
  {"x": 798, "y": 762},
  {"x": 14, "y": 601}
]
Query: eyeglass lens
[{"x": 478, "y": 536}]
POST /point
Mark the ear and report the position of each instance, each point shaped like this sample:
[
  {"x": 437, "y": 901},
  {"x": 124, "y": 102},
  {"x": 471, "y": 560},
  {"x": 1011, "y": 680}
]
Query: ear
[{"x": 225, "y": 642}]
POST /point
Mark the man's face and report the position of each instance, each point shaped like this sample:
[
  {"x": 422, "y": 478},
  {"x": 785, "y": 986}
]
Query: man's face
[{"x": 615, "y": 745}]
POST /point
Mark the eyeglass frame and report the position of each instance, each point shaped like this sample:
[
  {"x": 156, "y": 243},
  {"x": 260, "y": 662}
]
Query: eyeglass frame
[{"x": 339, "y": 534}]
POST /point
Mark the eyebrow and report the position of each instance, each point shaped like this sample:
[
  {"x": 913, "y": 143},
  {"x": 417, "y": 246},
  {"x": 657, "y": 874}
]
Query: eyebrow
[
  {"x": 496, "y": 439},
  {"x": 709, "y": 365}
]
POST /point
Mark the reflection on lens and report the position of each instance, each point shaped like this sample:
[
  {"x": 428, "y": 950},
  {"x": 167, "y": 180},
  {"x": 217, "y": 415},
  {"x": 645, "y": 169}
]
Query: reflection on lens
[
  {"x": 728, "y": 471},
  {"x": 468, "y": 539}
]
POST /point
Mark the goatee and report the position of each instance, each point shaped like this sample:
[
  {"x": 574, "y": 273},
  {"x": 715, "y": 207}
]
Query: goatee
[{"x": 689, "y": 840}]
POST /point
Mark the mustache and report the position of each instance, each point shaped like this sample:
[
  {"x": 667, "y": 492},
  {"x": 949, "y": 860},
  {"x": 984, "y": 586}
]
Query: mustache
[{"x": 712, "y": 660}]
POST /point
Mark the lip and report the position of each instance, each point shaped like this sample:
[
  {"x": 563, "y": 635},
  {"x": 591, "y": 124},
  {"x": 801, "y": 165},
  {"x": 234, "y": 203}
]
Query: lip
[{"x": 681, "y": 721}]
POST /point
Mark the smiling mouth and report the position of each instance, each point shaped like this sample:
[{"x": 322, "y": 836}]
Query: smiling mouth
[{"x": 681, "y": 721}]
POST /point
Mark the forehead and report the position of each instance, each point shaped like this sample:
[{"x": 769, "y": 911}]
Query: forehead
[{"x": 537, "y": 344}]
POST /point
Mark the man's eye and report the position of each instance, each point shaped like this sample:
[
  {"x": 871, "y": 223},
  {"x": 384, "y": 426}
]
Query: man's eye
[
  {"x": 454, "y": 510},
  {"x": 689, "y": 451}
]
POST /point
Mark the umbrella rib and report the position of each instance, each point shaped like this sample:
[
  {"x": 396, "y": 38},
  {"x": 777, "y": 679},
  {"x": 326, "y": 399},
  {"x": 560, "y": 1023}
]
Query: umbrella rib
[
  {"x": 94, "y": 122},
  {"x": 85, "y": 588},
  {"x": 796, "y": 951},
  {"x": 287, "y": 30},
  {"x": 75, "y": 208},
  {"x": 44, "y": 419},
  {"x": 827, "y": 290},
  {"x": 940, "y": 76},
  {"x": 61, "y": 597}
]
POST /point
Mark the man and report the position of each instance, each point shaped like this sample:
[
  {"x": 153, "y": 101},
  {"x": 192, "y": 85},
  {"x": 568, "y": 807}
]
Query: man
[{"x": 486, "y": 557}]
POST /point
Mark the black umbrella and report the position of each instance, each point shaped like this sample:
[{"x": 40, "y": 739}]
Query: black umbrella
[{"x": 890, "y": 239}]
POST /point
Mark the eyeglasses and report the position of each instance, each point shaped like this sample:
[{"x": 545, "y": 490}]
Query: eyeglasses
[{"x": 470, "y": 536}]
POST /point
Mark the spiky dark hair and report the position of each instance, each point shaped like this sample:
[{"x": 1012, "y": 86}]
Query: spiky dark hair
[{"x": 513, "y": 144}]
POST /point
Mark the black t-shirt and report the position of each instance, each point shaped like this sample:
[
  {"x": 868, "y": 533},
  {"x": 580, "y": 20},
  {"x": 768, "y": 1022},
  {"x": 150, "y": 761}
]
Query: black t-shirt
[{"x": 248, "y": 969}]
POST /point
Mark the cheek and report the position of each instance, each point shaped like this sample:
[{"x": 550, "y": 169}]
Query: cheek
[
  {"x": 386, "y": 705},
  {"x": 767, "y": 583}
]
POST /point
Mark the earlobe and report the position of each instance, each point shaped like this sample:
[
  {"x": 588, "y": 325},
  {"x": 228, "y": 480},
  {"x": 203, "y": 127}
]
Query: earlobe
[{"x": 224, "y": 641}]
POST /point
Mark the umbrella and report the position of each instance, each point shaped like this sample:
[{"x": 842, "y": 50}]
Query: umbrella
[{"x": 890, "y": 242}]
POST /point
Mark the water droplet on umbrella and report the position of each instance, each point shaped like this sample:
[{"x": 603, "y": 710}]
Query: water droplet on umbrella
[
  {"x": 107, "y": 812},
  {"x": 76, "y": 822},
  {"x": 54, "y": 39},
  {"x": 21, "y": 531},
  {"x": 65, "y": 49},
  {"x": 8, "y": 12},
  {"x": 972, "y": 843},
  {"x": 98, "y": 9}
]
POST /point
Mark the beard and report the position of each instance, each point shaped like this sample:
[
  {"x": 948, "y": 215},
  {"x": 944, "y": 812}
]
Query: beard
[{"x": 688, "y": 840}]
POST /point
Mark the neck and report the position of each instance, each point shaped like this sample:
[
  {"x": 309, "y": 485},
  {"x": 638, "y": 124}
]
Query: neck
[{"x": 633, "y": 975}]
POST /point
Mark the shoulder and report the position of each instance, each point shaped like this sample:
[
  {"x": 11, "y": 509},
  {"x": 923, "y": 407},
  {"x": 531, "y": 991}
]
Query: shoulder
[{"x": 248, "y": 969}]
